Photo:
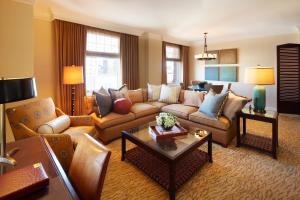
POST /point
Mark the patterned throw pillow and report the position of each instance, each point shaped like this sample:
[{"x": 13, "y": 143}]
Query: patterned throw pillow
[
  {"x": 213, "y": 104},
  {"x": 234, "y": 104},
  {"x": 169, "y": 94},
  {"x": 136, "y": 96},
  {"x": 122, "y": 92},
  {"x": 153, "y": 92},
  {"x": 193, "y": 98},
  {"x": 104, "y": 102}
]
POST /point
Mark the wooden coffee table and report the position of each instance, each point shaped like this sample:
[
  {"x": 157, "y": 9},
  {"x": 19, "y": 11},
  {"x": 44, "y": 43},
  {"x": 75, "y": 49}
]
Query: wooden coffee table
[{"x": 170, "y": 163}]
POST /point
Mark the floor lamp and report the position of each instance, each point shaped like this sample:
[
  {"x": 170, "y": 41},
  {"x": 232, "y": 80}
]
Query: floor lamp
[
  {"x": 73, "y": 75},
  {"x": 12, "y": 90}
]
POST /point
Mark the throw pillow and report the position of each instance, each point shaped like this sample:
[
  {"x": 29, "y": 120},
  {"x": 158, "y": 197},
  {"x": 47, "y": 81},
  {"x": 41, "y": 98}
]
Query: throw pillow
[
  {"x": 234, "y": 104},
  {"x": 122, "y": 92},
  {"x": 153, "y": 92},
  {"x": 136, "y": 96},
  {"x": 169, "y": 94},
  {"x": 213, "y": 104},
  {"x": 122, "y": 106},
  {"x": 193, "y": 98},
  {"x": 55, "y": 126},
  {"x": 104, "y": 102},
  {"x": 89, "y": 104}
]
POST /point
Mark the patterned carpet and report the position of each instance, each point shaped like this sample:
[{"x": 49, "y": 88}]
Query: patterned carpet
[{"x": 236, "y": 173}]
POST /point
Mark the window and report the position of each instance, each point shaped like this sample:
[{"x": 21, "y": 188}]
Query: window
[
  {"x": 173, "y": 64},
  {"x": 102, "y": 62}
]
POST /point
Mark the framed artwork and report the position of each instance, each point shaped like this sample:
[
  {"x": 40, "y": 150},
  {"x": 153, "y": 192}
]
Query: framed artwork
[{"x": 212, "y": 73}]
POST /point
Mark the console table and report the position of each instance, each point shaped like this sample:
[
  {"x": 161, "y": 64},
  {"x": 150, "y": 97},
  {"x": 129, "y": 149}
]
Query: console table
[
  {"x": 36, "y": 149},
  {"x": 265, "y": 144}
]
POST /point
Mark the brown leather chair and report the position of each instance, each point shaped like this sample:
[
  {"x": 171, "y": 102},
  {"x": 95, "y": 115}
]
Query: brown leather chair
[{"x": 88, "y": 168}]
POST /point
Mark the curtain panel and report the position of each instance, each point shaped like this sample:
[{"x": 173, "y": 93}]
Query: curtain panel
[
  {"x": 70, "y": 46},
  {"x": 164, "y": 64},
  {"x": 185, "y": 65},
  {"x": 130, "y": 60}
]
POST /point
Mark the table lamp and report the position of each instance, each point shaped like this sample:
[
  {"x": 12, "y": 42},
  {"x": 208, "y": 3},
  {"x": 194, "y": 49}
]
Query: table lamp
[
  {"x": 259, "y": 76},
  {"x": 73, "y": 75},
  {"x": 12, "y": 90}
]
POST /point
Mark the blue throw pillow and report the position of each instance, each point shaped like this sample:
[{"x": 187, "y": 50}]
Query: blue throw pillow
[{"x": 213, "y": 104}]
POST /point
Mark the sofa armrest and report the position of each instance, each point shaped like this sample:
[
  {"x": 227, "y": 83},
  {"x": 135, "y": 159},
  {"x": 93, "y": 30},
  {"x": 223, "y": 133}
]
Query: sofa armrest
[
  {"x": 84, "y": 120},
  {"x": 62, "y": 146},
  {"x": 59, "y": 112}
]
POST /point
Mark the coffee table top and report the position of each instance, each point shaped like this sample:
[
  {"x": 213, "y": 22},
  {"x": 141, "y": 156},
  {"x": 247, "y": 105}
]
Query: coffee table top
[{"x": 171, "y": 149}]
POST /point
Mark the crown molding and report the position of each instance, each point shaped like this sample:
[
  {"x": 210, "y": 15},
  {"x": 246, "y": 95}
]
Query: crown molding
[{"x": 28, "y": 2}]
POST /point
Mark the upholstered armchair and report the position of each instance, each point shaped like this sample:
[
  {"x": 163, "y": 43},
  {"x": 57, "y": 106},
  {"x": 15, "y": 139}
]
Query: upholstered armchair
[{"x": 60, "y": 130}]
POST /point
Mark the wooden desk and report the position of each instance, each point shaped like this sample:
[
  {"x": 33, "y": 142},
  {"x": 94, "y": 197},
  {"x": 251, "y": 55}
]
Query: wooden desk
[{"x": 36, "y": 149}]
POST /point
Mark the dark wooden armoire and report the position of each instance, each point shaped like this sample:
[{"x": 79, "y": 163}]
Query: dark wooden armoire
[{"x": 288, "y": 78}]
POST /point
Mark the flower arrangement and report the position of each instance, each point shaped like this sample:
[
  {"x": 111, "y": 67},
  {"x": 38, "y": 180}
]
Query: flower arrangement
[{"x": 166, "y": 120}]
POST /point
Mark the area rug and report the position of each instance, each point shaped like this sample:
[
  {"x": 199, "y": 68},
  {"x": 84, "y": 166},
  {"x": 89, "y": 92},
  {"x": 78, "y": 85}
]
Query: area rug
[{"x": 236, "y": 173}]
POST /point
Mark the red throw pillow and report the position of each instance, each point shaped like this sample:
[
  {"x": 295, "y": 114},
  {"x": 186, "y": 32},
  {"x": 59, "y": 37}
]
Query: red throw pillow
[{"x": 122, "y": 106}]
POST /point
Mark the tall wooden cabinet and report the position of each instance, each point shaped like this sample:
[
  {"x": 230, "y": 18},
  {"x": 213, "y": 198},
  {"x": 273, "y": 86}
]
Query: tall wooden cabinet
[{"x": 288, "y": 78}]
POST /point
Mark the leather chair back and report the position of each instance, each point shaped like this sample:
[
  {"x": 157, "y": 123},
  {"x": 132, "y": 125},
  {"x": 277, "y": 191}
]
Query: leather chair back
[{"x": 88, "y": 168}]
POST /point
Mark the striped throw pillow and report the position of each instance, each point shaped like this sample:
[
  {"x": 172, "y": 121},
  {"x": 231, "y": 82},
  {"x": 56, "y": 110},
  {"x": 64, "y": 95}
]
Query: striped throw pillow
[{"x": 168, "y": 94}]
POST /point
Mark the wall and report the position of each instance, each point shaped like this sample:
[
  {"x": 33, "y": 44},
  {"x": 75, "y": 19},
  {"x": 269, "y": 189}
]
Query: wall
[
  {"x": 44, "y": 63},
  {"x": 16, "y": 40},
  {"x": 251, "y": 52}
]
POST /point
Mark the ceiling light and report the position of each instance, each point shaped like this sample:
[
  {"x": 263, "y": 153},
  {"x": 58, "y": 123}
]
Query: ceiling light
[{"x": 205, "y": 55}]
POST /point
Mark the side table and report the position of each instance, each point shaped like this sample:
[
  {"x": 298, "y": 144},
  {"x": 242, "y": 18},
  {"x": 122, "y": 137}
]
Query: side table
[{"x": 265, "y": 144}]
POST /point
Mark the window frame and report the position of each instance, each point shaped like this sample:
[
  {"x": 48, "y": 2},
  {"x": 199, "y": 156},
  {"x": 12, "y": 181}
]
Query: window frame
[{"x": 173, "y": 59}]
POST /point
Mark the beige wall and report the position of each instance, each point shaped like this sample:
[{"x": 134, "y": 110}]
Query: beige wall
[
  {"x": 251, "y": 52},
  {"x": 44, "y": 63},
  {"x": 16, "y": 41}
]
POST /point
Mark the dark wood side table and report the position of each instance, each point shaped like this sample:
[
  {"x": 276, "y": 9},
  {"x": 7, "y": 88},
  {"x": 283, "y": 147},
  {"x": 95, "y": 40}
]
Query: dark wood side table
[{"x": 265, "y": 144}]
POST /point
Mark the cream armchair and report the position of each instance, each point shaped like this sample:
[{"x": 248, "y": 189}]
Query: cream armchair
[{"x": 26, "y": 119}]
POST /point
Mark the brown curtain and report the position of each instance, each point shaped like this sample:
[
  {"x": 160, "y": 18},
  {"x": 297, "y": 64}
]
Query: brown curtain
[
  {"x": 70, "y": 45},
  {"x": 130, "y": 60},
  {"x": 164, "y": 64},
  {"x": 185, "y": 65}
]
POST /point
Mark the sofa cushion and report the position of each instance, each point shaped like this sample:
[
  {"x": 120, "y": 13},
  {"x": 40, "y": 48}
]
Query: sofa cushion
[
  {"x": 221, "y": 123},
  {"x": 157, "y": 104},
  {"x": 234, "y": 104},
  {"x": 104, "y": 102},
  {"x": 213, "y": 104},
  {"x": 113, "y": 119},
  {"x": 143, "y": 109},
  {"x": 122, "y": 92},
  {"x": 122, "y": 106},
  {"x": 179, "y": 110},
  {"x": 153, "y": 92},
  {"x": 193, "y": 98},
  {"x": 76, "y": 131},
  {"x": 169, "y": 94},
  {"x": 136, "y": 96}
]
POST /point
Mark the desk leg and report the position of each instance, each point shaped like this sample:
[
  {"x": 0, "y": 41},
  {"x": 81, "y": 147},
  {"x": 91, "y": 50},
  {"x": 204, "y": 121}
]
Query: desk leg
[
  {"x": 274, "y": 139},
  {"x": 123, "y": 148},
  {"x": 238, "y": 134},
  {"x": 244, "y": 126}
]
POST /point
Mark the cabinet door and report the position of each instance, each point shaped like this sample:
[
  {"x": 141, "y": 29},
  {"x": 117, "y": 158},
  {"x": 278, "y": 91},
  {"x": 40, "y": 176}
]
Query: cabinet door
[{"x": 288, "y": 79}]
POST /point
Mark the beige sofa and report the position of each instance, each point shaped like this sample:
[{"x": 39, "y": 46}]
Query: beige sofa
[{"x": 110, "y": 126}]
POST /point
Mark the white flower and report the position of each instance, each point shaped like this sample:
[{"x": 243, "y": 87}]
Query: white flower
[{"x": 166, "y": 120}]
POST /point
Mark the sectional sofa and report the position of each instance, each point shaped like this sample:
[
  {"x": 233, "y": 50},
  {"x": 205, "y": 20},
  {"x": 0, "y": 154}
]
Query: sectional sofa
[{"x": 110, "y": 126}]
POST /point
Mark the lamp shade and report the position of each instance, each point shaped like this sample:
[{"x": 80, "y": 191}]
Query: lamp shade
[
  {"x": 18, "y": 89},
  {"x": 73, "y": 75},
  {"x": 260, "y": 75}
]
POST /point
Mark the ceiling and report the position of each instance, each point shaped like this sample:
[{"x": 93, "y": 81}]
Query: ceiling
[{"x": 185, "y": 20}]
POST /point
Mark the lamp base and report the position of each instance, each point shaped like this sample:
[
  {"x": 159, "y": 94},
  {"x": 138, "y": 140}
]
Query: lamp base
[
  {"x": 259, "y": 98},
  {"x": 8, "y": 160}
]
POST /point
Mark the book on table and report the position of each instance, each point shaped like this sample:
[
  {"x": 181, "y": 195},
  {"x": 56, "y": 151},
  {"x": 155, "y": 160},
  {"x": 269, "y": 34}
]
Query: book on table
[
  {"x": 158, "y": 133},
  {"x": 21, "y": 182}
]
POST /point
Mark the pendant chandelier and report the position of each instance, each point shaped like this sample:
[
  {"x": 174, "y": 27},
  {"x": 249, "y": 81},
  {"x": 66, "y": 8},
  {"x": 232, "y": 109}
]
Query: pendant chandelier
[{"x": 205, "y": 55}]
